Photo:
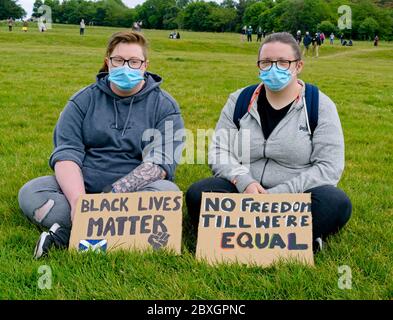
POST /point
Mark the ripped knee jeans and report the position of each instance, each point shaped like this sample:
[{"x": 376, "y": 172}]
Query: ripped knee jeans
[{"x": 44, "y": 204}]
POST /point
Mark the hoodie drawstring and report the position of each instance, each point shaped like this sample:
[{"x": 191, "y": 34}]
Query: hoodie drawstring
[
  {"x": 116, "y": 112},
  {"x": 128, "y": 117},
  {"x": 305, "y": 110}
]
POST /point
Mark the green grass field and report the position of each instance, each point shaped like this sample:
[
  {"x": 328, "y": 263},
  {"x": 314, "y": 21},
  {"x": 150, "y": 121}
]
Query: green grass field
[{"x": 40, "y": 71}]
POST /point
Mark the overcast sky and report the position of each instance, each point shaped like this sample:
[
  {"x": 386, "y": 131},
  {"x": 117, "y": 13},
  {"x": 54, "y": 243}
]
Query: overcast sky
[{"x": 28, "y": 4}]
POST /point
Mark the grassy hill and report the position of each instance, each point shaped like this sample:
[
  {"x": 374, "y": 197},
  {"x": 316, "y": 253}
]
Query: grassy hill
[{"x": 40, "y": 71}]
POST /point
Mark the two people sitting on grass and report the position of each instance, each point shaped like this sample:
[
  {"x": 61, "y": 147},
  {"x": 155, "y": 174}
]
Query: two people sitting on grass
[
  {"x": 174, "y": 35},
  {"x": 347, "y": 43},
  {"x": 293, "y": 146}
]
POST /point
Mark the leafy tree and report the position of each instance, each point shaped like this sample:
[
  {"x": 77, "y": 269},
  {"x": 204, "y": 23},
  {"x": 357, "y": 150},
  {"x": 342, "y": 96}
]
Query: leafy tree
[
  {"x": 10, "y": 8},
  {"x": 116, "y": 13},
  {"x": 272, "y": 19},
  {"x": 368, "y": 16},
  {"x": 158, "y": 14},
  {"x": 241, "y": 7},
  {"x": 327, "y": 27},
  {"x": 231, "y": 4},
  {"x": 369, "y": 28},
  {"x": 57, "y": 10},
  {"x": 252, "y": 13},
  {"x": 170, "y": 18},
  {"x": 71, "y": 12},
  {"x": 223, "y": 19},
  {"x": 37, "y": 4},
  {"x": 182, "y": 3},
  {"x": 304, "y": 15},
  {"x": 197, "y": 16}
]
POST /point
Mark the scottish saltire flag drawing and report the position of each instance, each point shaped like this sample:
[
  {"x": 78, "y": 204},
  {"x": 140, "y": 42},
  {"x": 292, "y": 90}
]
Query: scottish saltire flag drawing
[{"x": 93, "y": 244}]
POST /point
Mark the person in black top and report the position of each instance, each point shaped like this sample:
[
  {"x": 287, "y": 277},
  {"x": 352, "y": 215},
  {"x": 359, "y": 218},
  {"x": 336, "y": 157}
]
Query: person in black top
[
  {"x": 259, "y": 34},
  {"x": 376, "y": 40},
  {"x": 284, "y": 155},
  {"x": 341, "y": 38},
  {"x": 298, "y": 37},
  {"x": 249, "y": 34},
  {"x": 306, "y": 42},
  {"x": 270, "y": 117},
  {"x": 316, "y": 42}
]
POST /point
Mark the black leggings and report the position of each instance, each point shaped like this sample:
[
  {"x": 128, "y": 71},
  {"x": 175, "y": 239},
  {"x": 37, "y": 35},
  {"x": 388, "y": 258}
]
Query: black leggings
[{"x": 330, "y": 206}]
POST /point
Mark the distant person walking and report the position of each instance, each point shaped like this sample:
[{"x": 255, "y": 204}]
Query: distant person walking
[
  {"x": 137, "y": 26},
  {"x": 322, "y": 37},
  {"x": 41, "y": 25},
  {"x": 331, "y": 38},
  {"x": 82, "y": 27},
  {"x": 10, "y": 24},
  {"x": 259, "y": 34},
  {"x": 25, "y": 26},
  {"x": 341, "y": 38},
  {"x": 306, "y": 42},
  {"x": 249, "y": 34},
  {"x": 376, "y": 40},
  {"x": 243, "y": 32},
  {"x": 316, "y": 43},
  {"x": 298, "y": 37}
]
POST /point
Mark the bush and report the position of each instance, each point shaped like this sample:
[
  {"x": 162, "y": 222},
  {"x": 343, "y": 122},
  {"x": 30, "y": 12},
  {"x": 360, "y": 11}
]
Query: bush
[
  {"x": 327, "y": 27},
  {"x": 369, "y": 28}
]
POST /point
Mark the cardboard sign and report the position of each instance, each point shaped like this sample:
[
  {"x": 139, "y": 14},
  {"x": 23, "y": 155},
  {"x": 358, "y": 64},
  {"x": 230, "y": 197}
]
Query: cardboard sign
[
  {"x": 140, "y": 220},
  {"x": 255, "y": 229}
]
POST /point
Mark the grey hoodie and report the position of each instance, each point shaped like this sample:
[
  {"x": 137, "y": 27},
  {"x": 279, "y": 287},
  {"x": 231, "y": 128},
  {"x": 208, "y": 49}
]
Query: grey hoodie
[
  {"x": 102, "y": 132},
  {"x": 291, "y": 160}
]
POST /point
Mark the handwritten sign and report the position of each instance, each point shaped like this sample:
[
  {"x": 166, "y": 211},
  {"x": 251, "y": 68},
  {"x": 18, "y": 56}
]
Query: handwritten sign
[
  {"x": 138, "y": 220},
  {"x": 255, "y": 229}
]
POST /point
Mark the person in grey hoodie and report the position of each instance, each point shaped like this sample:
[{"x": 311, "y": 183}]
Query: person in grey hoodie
[
  {"x": 122, "y": 133},
  {"x": 274, "y": 150}
]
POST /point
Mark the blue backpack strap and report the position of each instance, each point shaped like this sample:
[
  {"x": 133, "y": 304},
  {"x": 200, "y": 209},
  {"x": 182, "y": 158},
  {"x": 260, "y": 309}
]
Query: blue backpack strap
[
  {"x": 312, "y": 105},
  {"x": 242, "y": 103}
]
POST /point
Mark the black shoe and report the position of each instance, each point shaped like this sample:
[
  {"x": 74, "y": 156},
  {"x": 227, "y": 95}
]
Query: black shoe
[{"x": 57, "y": 236}]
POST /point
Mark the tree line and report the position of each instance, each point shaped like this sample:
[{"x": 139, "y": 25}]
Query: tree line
[{"x": 369, "y": 17}]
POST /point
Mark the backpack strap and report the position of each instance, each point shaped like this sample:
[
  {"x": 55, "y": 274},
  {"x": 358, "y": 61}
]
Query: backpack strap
[
  {"x": 312, "y": 105},
  {"x": 242, "y": 104}
]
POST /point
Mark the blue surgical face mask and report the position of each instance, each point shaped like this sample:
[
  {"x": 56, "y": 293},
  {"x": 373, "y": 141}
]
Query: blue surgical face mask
[
  {"x": 125, "y": 78},
  {"x": 275, "y": 79}
]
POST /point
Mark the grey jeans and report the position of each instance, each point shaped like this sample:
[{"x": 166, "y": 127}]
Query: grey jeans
[{"x": 46, "y": 191}]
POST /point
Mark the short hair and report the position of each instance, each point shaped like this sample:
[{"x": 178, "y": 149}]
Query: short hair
[
  {"x": 283, "y": 37},
  {"x": 125, "y": 37}
]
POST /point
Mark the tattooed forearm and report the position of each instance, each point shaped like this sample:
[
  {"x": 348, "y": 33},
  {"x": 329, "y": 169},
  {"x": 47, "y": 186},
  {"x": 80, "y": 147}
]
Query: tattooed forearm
[{"x": 139, "y": 178}]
